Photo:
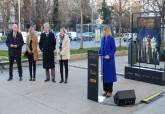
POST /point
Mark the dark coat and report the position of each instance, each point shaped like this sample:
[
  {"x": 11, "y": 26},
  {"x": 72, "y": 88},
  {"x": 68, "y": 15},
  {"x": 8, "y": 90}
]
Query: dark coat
[
  {"x": 17, "y": 41},
  {"x": 109, "y": 70},
  {"x": 47, "y": 45}
]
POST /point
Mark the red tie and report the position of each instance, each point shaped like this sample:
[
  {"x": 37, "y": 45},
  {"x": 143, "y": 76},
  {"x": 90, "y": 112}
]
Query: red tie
[{"x": 14, "y": 35}]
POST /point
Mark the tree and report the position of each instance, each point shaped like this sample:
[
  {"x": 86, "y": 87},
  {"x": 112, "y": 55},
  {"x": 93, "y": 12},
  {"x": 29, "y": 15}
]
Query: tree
[
  {"x": 81, "y": 8},
  {"x": 27, "y": 13},
  {"x": 5, "y": 11},
  {"x": 106, "y": 12},
  {"x": 135, "y": 7},
  {"x": 158, "y": 6},
  {"x": 120, "y": 9},
  {"x": 40, "y": 13},
  {"x": 43, "y": 10},
  {"x": 14, "y": 4},
  {"x": 55, "y": 13}
]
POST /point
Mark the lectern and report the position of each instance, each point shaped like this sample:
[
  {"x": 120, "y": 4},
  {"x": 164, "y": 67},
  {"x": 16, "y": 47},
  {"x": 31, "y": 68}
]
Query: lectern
[{"x": 93, "y": 75}]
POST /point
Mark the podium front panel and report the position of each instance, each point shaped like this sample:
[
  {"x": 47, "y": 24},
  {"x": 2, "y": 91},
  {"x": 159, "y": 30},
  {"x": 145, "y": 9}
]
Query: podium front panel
[{"x": 93, "y": 65}]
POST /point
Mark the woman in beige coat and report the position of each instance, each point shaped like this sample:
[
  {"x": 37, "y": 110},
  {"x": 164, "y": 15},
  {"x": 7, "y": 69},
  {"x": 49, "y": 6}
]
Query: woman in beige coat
[
  {"x": 32, "y": 49},
  {"x": 63, "y": 54}
]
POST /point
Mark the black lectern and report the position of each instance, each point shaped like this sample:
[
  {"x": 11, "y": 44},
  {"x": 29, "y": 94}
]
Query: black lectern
[{"x": 93, "y": 73}]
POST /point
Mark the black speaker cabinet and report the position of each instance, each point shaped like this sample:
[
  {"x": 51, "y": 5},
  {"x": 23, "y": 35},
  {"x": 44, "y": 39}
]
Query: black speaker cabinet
[{"x": 125, "y": 97}]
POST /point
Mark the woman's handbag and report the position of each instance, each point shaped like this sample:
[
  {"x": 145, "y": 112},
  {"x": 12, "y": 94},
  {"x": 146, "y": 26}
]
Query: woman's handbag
[{"x": 26, "y": 53}]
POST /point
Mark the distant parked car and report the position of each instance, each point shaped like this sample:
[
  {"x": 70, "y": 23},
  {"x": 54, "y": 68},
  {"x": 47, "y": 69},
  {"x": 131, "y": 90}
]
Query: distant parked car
[
  {"x": 0, "y": 37},
  {"x": 57, "y": 35},
  {"x": 69, "y": 35},
  {"x": 72, "y": 35},
  {"x": 87, "y": 36},
  {"x": 38, "y": 35},
  {"x": 1, "y": 34},
  {"x": 24, "y": 35}
]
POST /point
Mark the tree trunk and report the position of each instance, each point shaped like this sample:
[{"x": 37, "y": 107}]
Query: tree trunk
[
  {"x": 120, "y": 16},
  {"x": 5, "y": 12},
  {"x": 4, "y": 26},
  {"x": 120, "y": 31}
]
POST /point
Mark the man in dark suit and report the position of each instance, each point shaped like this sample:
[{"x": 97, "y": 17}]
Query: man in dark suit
[
  {"x": 14, "y": 43},
  {"x": 47, "y": 45}
]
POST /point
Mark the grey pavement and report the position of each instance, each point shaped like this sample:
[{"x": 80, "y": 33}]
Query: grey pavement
[
  {"x": 155, "y": 108},
  {"x": 121, "y": 62},
  {"x": 53, "y": 98}
]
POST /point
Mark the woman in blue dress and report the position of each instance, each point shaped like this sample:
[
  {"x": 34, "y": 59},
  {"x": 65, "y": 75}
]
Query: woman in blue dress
[{"x": 107, "y": 51}]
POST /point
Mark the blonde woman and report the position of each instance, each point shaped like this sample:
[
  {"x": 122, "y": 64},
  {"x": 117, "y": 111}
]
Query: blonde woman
[
  {"x": 32, "y": 49},
  {"x": 107, "y": 51},
  {"x": 63, "y": 51}
]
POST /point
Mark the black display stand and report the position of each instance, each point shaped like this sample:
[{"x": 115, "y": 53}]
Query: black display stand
[
  {"x": 93, "y": 73},
  {"x": 135, "y": 70},
  {"x": 145, "y": 75}
]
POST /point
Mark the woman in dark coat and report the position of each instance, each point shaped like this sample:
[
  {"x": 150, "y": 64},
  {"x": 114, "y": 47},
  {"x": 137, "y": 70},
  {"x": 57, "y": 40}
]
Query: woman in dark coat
[
  {"x": 47, "y": 45},
  {"x": 32, "y": 49},
  {"x": 107, "y": 51}
]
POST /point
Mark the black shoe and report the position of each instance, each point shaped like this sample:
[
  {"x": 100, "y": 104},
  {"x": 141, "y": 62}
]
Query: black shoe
[
  {"x": 47, "y": 80},
  {"x": 30, "y": 79},
  {"x": 53, "y": 80},
  {"x": 105, "y": 94},
  {"x": 109, "y": 94},
  {"x": 61, "y": 81},
  {"x": 66, "y": 82},
  {"x": 20, "y": 79},
  {"x": 10, "y": 79},
  {"x": 34, "y": 79}
]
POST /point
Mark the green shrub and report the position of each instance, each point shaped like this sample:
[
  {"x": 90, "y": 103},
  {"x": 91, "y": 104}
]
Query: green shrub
[{"x": 3, "y": 38}]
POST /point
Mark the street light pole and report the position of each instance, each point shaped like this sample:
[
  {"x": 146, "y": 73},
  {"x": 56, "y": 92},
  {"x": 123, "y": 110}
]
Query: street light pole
[
  {"x": 130, "y": 15},
  {"x": 19, "y": 15},
  {"x": 92, "y": 9},
  {"x": 81, "y": 13}
]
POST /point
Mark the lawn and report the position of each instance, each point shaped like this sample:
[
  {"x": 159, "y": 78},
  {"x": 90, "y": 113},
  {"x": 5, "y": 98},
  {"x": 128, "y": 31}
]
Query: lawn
[{"x": 78, "y": 51}]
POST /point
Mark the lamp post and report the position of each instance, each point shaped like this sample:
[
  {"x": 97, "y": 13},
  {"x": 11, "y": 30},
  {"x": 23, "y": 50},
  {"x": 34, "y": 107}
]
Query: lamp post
[
  {"x": 163, "y": 21},
  {"x": 81, "y": 13},
  {"x": 130, "y": 10},
  {"x": 19, "y": 15},
  {"x": 93, "y": 8},
  {"x": 92, "y": 4}
]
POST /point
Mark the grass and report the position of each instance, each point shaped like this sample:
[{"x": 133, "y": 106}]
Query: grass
[
  {"x": 122, "y": 48},
  {"x": 4, "y": 53},
  {"x": 78, "y": 51}
]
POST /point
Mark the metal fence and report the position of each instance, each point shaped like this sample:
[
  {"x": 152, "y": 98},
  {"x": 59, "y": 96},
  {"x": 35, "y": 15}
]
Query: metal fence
[{"x": 91, "y": 32}]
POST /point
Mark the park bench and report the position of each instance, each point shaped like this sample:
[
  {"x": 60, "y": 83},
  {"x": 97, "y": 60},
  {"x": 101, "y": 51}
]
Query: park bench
[{"x": 2, "y": 64}]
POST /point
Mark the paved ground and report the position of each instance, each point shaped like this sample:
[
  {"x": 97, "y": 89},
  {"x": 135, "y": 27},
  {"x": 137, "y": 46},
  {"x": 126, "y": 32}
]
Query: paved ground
[
  {"x": 121, "y": 62},
  {"x": 54, "y": 98}
]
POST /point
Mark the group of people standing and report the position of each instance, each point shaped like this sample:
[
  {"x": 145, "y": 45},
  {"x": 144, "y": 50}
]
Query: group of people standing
[{"x": 47, "y": 45}]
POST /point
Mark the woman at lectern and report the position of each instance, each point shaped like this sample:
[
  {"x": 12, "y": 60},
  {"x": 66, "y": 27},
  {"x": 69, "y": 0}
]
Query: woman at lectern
[{"x": 107, "y": 51}]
